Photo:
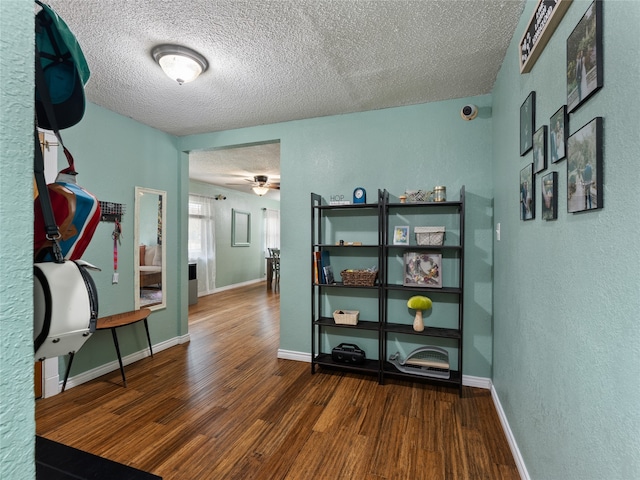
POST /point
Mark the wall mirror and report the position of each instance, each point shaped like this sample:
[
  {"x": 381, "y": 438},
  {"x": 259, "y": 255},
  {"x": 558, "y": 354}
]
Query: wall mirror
[
  {"x": 240, "y": 229},
  {"x": 149, "y": 253}
]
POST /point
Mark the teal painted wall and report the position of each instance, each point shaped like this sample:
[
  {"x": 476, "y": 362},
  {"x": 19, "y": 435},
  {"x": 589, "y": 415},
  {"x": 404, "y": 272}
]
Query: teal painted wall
[
  {"x": 113, "y": 154},
  {"x": 566, "y": 292},
  {"x": 237, "y": 264},
  {"x": 17, "y": 423},
  {"x": 399, "y": 148}
]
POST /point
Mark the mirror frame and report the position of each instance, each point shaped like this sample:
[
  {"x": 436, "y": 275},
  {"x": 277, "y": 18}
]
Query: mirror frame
[
  {"x": 139, "y": 191},
  {"x": 240, "y": 228}
]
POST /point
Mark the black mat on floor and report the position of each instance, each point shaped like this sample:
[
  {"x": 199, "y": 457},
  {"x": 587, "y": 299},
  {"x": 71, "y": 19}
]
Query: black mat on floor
[{"x": 55, "y": 461}]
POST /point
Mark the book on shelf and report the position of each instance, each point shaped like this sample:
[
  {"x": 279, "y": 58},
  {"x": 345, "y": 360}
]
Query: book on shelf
[
  {"x": 325, "y": 261},
  {"x": 328, "y": 274},
  {"x": 316, "y": 267}
]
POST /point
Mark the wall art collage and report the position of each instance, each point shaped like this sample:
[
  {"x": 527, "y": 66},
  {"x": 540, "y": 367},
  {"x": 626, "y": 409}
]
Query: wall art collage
[{"x": 550, "y": 144}]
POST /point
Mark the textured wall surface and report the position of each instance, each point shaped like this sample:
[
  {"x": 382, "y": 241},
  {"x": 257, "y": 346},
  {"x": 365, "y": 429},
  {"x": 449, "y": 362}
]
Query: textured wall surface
[
  {"x": 236, "y": 264},
  {"x": 17, "y": 425},
  {"x": 399, "y": 148},
  {"x": 113, "y": 154},
  {"x": 567, "y": 294}
]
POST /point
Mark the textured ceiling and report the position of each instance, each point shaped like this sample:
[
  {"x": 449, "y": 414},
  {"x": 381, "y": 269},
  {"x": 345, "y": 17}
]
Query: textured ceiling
[{"x": 280, "y": 60}]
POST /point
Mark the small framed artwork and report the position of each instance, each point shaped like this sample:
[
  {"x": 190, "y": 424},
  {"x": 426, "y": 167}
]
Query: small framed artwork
[
  {"x": 584, "y": 168},
  {"x": 540, "y": 149},
  {"x": 527, "y": 123},
  {"x": 422, "y": 270},
  {"x": 527, "y": 193},
  {"x": 240, "y": 228},
  {"x": 558, "y": 134},
  {"x": 584, "y": 57},
  {"x": 550, "y": 196},
  {"x": 401, "y": 235}
]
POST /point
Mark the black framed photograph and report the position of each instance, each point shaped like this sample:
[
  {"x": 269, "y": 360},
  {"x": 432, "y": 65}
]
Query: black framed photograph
[
  {"x": 540, "y": 149},
  {"x": 401, "y": 235},
  {"x": 422, "y": 270},
  {"x": 549, "y": 187},
  {"x": 584, "y": 57},
  {"x": 558, "y": 134},
  {"x": 527, "y": 123},
  {"x": 585, "y": 168},
  {"x": 527, "y": 193}
]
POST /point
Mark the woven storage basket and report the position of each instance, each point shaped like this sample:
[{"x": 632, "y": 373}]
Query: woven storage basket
[
  {"x": 429, "y": 235},
  {"x": 416, "y": 196},
  {"x": 358, "y": 277},
  {"x": 346, "y": 317}
]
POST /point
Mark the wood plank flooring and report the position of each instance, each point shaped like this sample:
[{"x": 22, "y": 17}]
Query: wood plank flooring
[{"x": 224, "y": 407}]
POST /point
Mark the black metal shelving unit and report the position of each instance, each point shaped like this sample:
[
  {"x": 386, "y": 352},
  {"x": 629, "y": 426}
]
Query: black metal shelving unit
[
  {"x": 382, "y": 327},
  {"x": 453, "y": 250}
]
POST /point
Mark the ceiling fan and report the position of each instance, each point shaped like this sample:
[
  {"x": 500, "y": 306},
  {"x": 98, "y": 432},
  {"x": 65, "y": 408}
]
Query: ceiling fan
[{"x": 260, "y": 184}]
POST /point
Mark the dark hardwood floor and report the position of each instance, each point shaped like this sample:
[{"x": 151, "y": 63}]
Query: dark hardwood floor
[{"x": 224, "y": 407}]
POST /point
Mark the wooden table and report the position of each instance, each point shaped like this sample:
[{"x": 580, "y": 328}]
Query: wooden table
[{"x": 112, "y": 322}]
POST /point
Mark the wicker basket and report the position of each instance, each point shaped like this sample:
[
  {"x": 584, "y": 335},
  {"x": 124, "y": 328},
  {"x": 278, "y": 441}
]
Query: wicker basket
[
  {"x": 358, "y": 277},
  {"x": 346, "y": 317},
  {"x": 414, "y": 196},
  {"x": 429, "y": 235}
]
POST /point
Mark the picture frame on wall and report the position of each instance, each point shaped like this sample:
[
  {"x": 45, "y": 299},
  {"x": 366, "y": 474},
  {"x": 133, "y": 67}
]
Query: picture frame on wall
[
  {"x": 585, "y": 58},
  {"x": 422, "y": 270},
  {"x": 527, "y": 123},
  {"x": 401, "y": 235},
  {"x": 549, "y": 186},
  {"x": 585, "y": 168},
  {"x": 540, "y": 149},
  {"x": 527, "y": 193},
  {"x": 558, "y": 134}
]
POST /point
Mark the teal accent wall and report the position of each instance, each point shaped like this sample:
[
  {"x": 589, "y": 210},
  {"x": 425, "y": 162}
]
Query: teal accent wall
[
  {"x": 415, "y": 147},
  {"x": 567, "y": 292},
  {"x": 551, "y": 309},
  {"x": 17, "y": 423},
  {"x": 113, "y": 155},
  {"x": 236, "y": 265}
]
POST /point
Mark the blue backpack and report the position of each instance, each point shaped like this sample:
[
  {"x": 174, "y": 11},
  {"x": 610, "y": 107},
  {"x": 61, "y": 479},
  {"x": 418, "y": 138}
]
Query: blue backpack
[{"x": 61, "y": 66}]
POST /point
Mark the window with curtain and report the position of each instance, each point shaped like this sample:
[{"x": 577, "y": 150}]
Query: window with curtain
[
  {"x": 202, "y": 241},
  {"x": 271, "y": 229}
]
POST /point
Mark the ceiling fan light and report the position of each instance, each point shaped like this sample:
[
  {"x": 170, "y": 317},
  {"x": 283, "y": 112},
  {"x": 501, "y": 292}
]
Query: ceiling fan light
[
  {"x": 179, "y": 63},
  {"x": 260, "y": 190}
]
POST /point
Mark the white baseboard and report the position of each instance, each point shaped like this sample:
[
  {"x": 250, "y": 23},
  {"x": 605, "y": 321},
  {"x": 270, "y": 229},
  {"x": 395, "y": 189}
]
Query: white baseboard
[
  {"x": 467, "y": 380},
  {"x": 478, "y": 382},
  {"x": 236, "y": 285},
  {"x": 515, "y": 451},
  {"x": 111, "y": 366},
  {"x": 297, "y": 356}
]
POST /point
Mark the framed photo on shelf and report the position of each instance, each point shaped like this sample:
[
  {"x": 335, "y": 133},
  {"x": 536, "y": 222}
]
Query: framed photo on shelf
[
  {"x": 527, "y": 123},
  {"x": 584, "y": 57},
  {"x": 401, "y": 235},
  {"x": 422, "y": 270},
  {"x": 558, "y": 134},
  {"x": 540, "y": 149},
  {"x": 584, "y": 168},
  {"x": 550, "y": 196},
  {"x": 527, "y": 193}
]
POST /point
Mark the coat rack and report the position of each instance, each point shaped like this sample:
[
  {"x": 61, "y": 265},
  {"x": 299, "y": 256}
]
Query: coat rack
[{"x": 111, "y": 212}]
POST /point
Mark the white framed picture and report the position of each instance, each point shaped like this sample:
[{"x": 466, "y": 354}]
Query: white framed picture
[
  {"x": 422, "y": 270},
  {"x": 401, "y": 235}
]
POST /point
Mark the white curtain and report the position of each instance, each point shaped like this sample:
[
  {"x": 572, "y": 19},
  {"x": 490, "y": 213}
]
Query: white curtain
[
  {"x": 202, "y": 241},
  {"x": 271, "y": 229}
]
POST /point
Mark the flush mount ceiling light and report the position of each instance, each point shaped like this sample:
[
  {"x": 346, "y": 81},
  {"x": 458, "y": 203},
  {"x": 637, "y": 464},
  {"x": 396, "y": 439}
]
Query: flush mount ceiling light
[
  {"x": 179, "y": 63},
  {"x": 260, "y": 190}
]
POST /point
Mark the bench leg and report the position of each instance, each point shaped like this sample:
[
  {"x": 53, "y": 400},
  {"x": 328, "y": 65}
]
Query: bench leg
[
  {"x": 115, "y": 342},
  {"x": 66, "y": 373},
  {"x": 146, "y": 327}
]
